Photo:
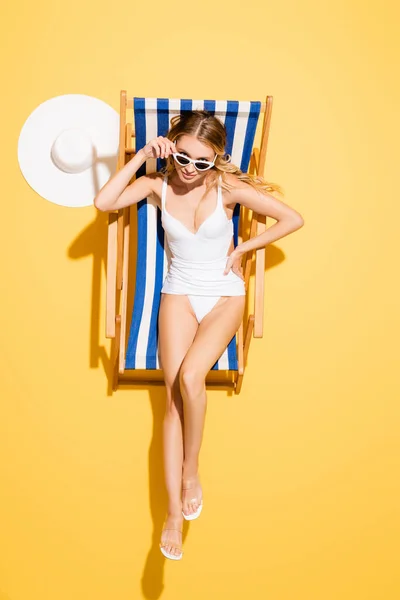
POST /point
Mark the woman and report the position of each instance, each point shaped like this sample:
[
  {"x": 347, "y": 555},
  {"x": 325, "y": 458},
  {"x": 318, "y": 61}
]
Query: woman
[{"x": 203, "y": 294}]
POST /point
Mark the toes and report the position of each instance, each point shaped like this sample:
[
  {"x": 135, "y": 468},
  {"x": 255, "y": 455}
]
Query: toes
[
  {"x": 191, "y": 507},
  {"x": 170, "y": 543}
]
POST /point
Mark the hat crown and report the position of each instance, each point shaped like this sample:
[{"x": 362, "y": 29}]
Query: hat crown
[{"x": 73, "y": 151}]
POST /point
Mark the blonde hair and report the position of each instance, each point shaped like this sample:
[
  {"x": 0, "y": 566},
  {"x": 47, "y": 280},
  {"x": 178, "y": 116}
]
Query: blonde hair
[{"x": 211, "y": 131}]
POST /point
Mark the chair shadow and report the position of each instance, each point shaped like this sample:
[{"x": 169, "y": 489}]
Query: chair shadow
[{"x": 93, "y": 241}]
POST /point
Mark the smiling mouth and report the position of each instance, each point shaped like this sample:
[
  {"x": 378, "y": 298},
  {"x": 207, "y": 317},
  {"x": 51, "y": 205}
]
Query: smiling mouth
[{"x": 188, "y": 174}]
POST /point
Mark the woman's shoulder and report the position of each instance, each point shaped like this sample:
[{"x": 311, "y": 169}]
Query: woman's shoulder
[
  {"x": 232, "y": 180},
  {"x": 231, "y": 186}
]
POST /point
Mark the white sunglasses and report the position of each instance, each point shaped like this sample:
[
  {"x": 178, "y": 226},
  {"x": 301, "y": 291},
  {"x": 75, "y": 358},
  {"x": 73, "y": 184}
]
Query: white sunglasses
[{"x": 200, "y": 165}]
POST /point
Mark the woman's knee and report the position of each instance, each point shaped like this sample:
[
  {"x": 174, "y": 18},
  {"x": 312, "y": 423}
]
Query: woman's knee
[{"x": 191, "y": 380}]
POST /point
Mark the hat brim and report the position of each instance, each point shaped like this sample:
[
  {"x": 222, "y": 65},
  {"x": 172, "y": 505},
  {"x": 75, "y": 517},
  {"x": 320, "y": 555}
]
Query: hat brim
[{"x": 41, "y": 129}]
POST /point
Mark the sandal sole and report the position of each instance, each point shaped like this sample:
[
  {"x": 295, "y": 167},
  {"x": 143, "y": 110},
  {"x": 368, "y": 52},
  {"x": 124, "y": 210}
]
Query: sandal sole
[{"x": 171, "y": 556}]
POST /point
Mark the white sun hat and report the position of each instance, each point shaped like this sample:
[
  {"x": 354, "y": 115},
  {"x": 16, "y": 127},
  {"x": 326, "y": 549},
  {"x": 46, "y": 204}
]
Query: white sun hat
[{"x": 68, "y": 147}]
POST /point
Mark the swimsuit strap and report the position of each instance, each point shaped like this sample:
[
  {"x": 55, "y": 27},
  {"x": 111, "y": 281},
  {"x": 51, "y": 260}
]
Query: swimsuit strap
[
  {"x": 164, "y": 192},
  {"x": 219, "y": 193}
]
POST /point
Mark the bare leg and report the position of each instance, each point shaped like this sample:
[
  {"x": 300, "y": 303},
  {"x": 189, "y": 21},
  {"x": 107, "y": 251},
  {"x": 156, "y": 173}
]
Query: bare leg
[
  {"x": 177, "y": 328},
  {"x": 213, "y": 335}
]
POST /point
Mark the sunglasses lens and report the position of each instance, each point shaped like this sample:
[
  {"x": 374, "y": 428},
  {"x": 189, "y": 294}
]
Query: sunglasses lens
[
  {"x": 202, "y": 166},
  {"x": 181, "y": 160}
]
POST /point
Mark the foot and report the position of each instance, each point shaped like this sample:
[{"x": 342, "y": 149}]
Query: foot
[
  {"x": 171, "y": 537},
  {"x": 192, "y": 497}
]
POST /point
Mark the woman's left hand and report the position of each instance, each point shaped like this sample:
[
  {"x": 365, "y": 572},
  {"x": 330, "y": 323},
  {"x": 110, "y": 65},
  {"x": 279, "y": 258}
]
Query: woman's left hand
[{"x": 234, "y": 262}]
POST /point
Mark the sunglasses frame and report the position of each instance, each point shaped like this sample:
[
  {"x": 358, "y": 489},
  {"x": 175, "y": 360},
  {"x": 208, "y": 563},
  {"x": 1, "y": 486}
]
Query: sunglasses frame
[{"x": 191, "y": 160}]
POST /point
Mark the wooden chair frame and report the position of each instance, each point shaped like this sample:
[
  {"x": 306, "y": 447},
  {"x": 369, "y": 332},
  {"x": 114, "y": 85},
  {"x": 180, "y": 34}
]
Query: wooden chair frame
[{"x": 118, "y": 268}]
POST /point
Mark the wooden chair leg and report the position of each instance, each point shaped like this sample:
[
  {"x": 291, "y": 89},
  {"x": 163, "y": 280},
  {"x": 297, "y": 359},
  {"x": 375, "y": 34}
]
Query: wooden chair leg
[
  {"x": 239, "y": 379},
  {"x": 249, "y": 333},
  {"x": 259, "y": 281},
  {"x": 111, "y": 291},
  {"x": 243, "y": 349},
  {"x": 259, "y": 163},
  {"x": 124, "y": 292},
  {"x": 238, "y": 384},
  {"x": 115, "y": 352}
]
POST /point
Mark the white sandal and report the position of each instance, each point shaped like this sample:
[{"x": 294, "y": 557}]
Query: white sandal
[
  {"x": 196, "y": 514},
  {"x": 174, "y": 545}
]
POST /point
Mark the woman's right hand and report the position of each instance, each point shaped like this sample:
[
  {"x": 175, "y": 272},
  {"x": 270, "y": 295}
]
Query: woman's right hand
[{"x": 159, "y": 147}]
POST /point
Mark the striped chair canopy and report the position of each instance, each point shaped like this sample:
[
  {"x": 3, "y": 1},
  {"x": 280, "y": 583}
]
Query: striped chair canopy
[{"x": 152, "y": 118}]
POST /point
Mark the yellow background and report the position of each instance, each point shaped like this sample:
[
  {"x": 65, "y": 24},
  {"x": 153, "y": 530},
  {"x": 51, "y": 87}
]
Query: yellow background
[{"x": 301, "y": 470}]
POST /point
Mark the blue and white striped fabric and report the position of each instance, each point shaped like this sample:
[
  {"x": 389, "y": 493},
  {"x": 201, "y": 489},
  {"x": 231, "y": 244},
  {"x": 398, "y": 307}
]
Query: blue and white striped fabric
[{"x": 152, "y": 118}]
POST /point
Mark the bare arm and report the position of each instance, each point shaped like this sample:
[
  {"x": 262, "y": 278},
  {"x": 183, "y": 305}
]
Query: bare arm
[
  {"x": 116, "y": 193},
  {"x": 287, "y": 219}
]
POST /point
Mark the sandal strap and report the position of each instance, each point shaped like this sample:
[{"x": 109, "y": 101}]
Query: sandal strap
[{"x": 176, "y": 545}]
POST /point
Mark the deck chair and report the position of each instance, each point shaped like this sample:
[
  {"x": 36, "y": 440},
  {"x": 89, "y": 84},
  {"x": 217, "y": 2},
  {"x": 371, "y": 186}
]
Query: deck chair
[{"x": 134, "y": 334}]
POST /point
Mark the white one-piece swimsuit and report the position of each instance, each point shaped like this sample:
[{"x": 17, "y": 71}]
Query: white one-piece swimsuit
[{"x": 199, "y": 259}]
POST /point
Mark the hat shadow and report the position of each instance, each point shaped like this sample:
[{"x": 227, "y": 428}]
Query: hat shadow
[{"x": 93, "y": 241}]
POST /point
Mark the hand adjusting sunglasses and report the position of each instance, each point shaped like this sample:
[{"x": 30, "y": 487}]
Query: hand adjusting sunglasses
[{"x": 200, "y": 165}]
